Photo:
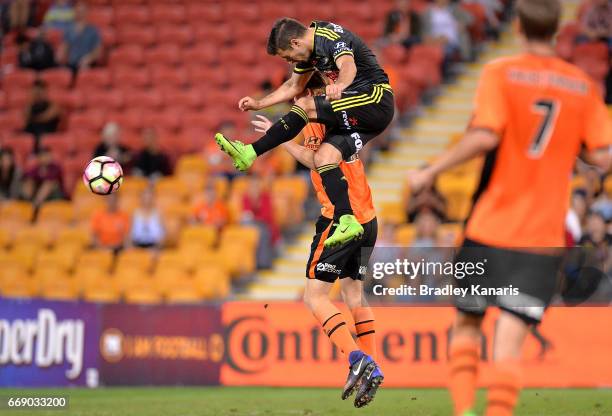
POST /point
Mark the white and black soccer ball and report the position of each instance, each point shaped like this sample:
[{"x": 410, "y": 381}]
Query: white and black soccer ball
[{"x": 103, "y": 175}]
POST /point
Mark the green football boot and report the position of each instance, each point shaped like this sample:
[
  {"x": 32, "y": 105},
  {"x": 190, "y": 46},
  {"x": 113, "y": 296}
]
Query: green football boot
[
  {"x": 348, "y": 229},
  {"x": 469, "y": 413},
  {"x": 242, "y": 154}
]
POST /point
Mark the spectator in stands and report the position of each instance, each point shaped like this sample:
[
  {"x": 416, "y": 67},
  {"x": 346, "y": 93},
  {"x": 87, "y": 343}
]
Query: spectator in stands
[
  {"x": 597, "y": 237},
  {"x": 20, "y": 14},
  {"x": 427, "y": 224},
  {"x": 257, "y": 209},
  {"x": 111, "y": 225},
  {"x": 151, "y": 161},
  {"x": 82, "y": 42},
  {"x": 446, "y": 23},
  {"x": 44, "y": 181},
  {"x": 402, "y": 25},
  {"x": 147, "y": 226},
  {"x": 576, "y": 217},
  {"x": 429, "y": 199},
  {"x": 595, "y": 21},
  {"x": 41, "y": 115},
  {"x": 10, "y": 175},
  {"x": 36, "y": 54},
  {"x": 111, "y": 146},
  {"x": 211, "y": 209},
  {"x": 60, "y": 15}
]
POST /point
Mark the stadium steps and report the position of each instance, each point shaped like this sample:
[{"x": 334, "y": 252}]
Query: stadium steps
[{"x": 426, "y": 137}]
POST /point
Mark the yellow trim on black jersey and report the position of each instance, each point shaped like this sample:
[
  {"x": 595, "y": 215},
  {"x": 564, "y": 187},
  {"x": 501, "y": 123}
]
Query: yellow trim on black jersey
[
  {"x": 328, "y": 31},
  {"x": 343, "y": 53},
  {"x": 302, "y": 70},
  {"x": 375, "y": 97},
  {"x": 300, "y": 112}
]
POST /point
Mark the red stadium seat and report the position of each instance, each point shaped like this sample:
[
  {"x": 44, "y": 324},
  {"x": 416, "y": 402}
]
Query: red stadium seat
[
  {"x": 168, "y": 120},
  {"x": 8, "y": 55},
  {"x": 177, "y": 34},
  {"x": 223, "y": 98},
  {"x": 242, "y": 12},
  {"x": 127, "y": 55},
  {"x": 394, "y": 54},
  {"x": 128, "y": 120},
  {"x": 201, "y": 76},
  {"x": 12, "y": 120},
  {"x": 58, "y": 77},
  {"x": 94, "y": 78},
  {"x": 172, "y": 13},
  {"x": 69, "y": 100},
  {"x": 131, "y": 14},
  {"x": 22, "y": 144},
  {"x": 207, "y": 120},
  {"x": 109, "y": 36},
  {"x": 91, "y": 120},
  {"x": 201, "y": 14},
  {"x": 3, "y": 102},
  {"x": 54, "y": 36},
  {"x": 202, "y": 54},
  {"x": 125, "y": 76},
  {"x": 186, "y": 99},
  {"x": 112, "y": 99},
  {"x": 216, "y": 34},
  {"x": 167, "y": 76},
  {"x": 136, "y": 35},
  {"x": 146, "y": 99},
  {"x": 100, "y": 16},
  {"x": 17, "y": 98},
  {"x": 61, "y": 145},
  {"x": 164, "y": 54},
  {"x": 23, "y": 78},
  {"x": 593, "y": 59}
]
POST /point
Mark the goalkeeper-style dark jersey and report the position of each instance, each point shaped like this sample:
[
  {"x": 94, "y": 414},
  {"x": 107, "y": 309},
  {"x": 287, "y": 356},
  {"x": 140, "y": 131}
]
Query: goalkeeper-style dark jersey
[{"x": 332, "y": 41}]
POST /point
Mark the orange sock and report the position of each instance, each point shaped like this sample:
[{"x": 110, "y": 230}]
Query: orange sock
[
  {"x": 504, "y": 389},
  {"x": 463, "y": 360},
  {"x": 366, "y": 334},
  {"x": 335, "y": 327}
]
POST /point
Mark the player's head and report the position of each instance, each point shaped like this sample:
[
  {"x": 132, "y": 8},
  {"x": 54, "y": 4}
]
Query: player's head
[
  {"x": 289, "y": 41},
  {"x": 316, "y": 84},
  {"x": 538, "y": 19}
]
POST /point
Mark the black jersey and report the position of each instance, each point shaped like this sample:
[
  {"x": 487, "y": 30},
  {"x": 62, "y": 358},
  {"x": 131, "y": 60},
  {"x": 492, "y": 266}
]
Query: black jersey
[{"x": 332, "y": 41}]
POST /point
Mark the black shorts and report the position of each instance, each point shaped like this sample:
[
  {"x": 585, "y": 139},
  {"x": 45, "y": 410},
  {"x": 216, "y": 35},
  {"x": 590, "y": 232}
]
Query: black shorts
[
  {"x": 348, "y": 260},
  {"x": 524, "y": 283},
  {"x": 356, "y": 118}
]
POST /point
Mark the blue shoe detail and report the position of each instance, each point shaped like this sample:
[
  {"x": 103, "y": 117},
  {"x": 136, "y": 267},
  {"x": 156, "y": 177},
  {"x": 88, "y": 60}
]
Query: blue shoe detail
[
  {"x": 370, "y": 382},
  {"x": 359, "y": 364}
]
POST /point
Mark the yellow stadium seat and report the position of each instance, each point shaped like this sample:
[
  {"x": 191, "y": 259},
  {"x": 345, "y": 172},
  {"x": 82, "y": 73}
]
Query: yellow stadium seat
[
  {"x": 191, "y": 165},
  {"x": 173, "y": 209},
  {"x": 177, "y": 260},
  {"x": 184, "y": 291},
  {"x": 33, "y": 235},
  {"x": 393, "y": 213},
  {"x": 608, "y": 186},
  {"x": 127, "y": 277},
  {"x": 138, "y": 258},
  {"x": 102, "y": 294},
  {"x": 134, "y": 185},
  {"x": 58, "y": 287},
  {"x": 237, "y": 257},
  {"x": 97, "y": 286},
  {"x": 221, "y": 184},
  {"x": 102, "y": 259},
  {"x": 207, "y": 257},
  {"x": 404, "y": 235},
  {"x": 5, "y": 238},
  {"x": 25, "y": 254},
  {"x": 79, "y": 236},
  {"x": 84, "y": 205},
  {"x": 21, "y": 286},
  {"x": 143, "y": 293},
  {"x": 172, "y": 186},
  {"x": 56, "y": 211},
  {"x": 244, "y": 234},
  {"x": 239, "y": 186},
  {"x": 11, "y": 270},
  {"x": 63, "y": 259},
  {"x": 20, "y": 211},
  {"x": 295, "y": 185},
  {"x": 165, "y": 277},
  {"x": 198, "y": 235},
  {"x": 212, "y": 282}
]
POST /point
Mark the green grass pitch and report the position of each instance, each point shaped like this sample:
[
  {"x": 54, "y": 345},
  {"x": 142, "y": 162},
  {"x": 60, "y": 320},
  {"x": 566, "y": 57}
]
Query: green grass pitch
[{"x": 265, "y": 401}]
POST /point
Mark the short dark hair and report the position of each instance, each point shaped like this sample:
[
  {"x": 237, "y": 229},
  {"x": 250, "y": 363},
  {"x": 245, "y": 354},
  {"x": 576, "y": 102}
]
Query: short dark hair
[
  {"x": 282, "y": 32},
  {"x": 539, "y": 19},
  {"x": 316, "y": 81}
]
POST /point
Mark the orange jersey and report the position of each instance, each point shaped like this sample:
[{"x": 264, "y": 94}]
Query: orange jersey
[
  {"x": 354, "y": 172},
  {"x": 544, "y": 110}
]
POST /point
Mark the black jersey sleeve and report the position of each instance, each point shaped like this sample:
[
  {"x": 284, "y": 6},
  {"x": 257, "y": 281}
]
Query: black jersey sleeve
[
  {"x": 334, "y": 44},
  {"x": 303, "y": 68}
]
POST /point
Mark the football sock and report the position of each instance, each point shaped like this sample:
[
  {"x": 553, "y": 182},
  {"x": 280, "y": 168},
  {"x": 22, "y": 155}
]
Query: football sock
[
  {"x": 336, "y": 188},
  {"x": 334, "y": 325},
  {"x": 285, "y": 129},
  {"x": 504, "y": 388},
  {"x": 364, "y": 326},
  {"x": 463, "y": 360}
]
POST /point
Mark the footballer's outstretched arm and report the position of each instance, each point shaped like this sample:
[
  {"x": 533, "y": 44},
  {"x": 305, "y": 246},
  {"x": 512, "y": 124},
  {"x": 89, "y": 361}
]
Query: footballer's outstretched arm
[
  {"x": 347, "y": 72},
  {"x": 287, "y": 91},
  {"x": 475, "y": 142}
]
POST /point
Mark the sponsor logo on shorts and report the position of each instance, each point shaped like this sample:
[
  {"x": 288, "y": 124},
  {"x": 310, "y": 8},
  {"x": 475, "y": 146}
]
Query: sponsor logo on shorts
[
  {"x": 358, "y": 141},
  {"x": 328, "y": 267}
]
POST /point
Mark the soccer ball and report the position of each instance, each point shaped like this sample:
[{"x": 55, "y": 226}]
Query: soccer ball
[{"x": 103, "y": 175}]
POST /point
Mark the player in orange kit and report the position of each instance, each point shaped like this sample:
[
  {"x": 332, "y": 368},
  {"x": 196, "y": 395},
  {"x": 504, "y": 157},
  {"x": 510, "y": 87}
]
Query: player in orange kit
[
  {"x": 534, "y": 114},
  {"x": 347, "y": 262}
]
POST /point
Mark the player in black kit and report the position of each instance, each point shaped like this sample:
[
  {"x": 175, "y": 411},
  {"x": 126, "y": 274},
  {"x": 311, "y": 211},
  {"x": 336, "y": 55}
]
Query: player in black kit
[{"x": 358, "y": 106}]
